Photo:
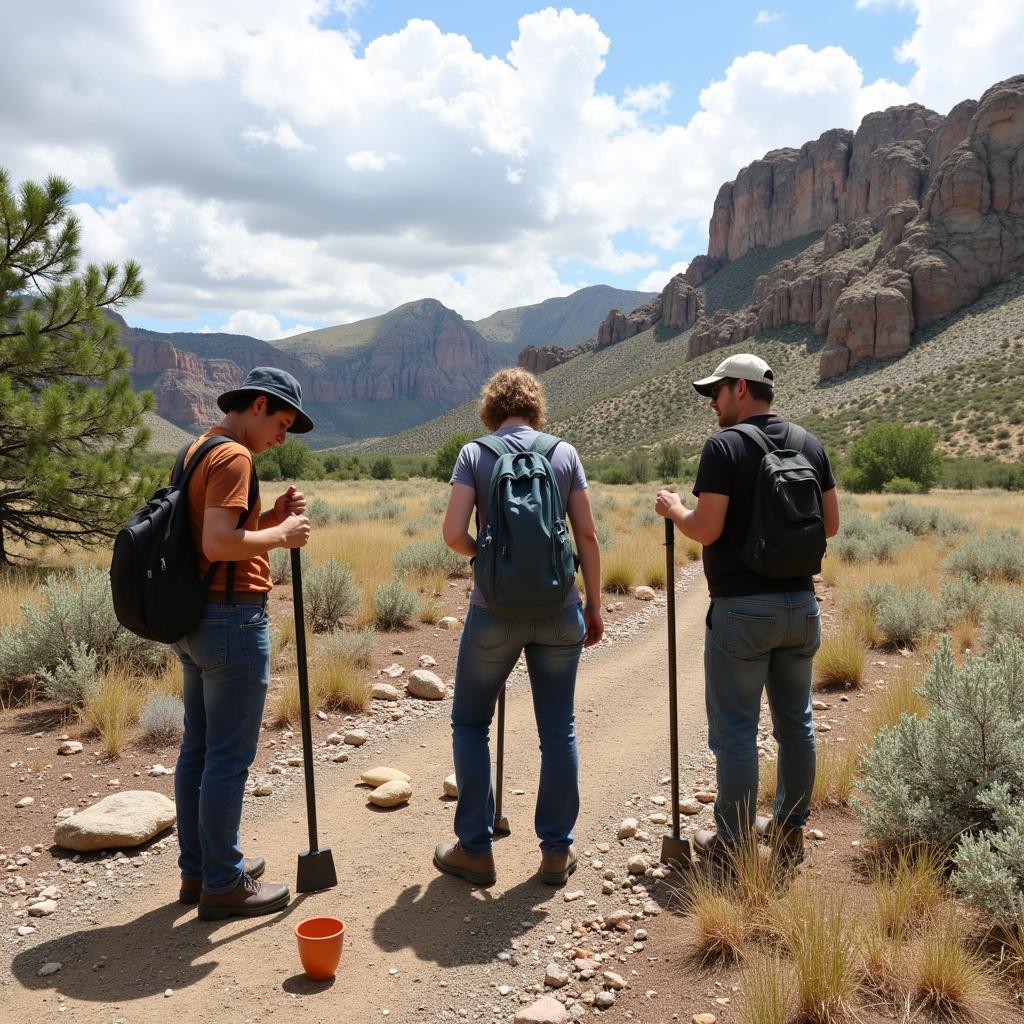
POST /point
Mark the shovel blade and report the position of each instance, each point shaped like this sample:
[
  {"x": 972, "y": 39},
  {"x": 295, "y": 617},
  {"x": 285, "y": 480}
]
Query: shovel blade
[
  {"x": 502, "y": 827},
  {"x": 316, "y": 871},
  {"x": 677, "y": 852}
]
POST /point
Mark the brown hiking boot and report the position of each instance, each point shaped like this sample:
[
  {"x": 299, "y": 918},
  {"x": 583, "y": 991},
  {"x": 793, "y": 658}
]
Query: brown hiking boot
[
  {"x": 191, "y": 888},
  {"x": 555, "y": 868},
  {"x": 786, "y": 843},
  {"x": 452, "y": 859},
  {"x": 248, "y": 899}
]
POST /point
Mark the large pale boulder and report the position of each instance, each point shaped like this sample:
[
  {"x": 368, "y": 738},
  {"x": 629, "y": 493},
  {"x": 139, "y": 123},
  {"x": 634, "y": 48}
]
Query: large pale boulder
[
  {"x": 546, "y": 1010},
  {"x": 121, "y": 819},
  {"x": 391, "y": 794},
  {"x": 426, "y": 685},
  {"x": 378, "y": 776}
]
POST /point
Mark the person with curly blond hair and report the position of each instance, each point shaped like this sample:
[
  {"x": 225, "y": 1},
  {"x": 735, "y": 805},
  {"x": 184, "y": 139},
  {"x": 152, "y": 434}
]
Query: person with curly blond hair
[{"x": 512, "y": 407}]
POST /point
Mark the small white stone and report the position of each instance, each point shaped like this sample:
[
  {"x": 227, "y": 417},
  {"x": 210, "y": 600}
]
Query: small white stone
[
  {"x": 385, "y": 691},
  {"x": 356, "y": 738},
  {"x": 448, "y": 622},
  {"x": 570, "y": 897},
  {"x": 555, "y": 976},
  {"x": 637, "y": 865},
  {"x": 628, "y": 828},
  {"x": 450, "y": 786},
  {"x": 426, "y": 661},
  {"x": 42, "y": 909},
  {"x": 69, "y": 747},
  {"x": 47, "y": 969},
  {"x": 263, "y": 789},
  {"x": 644, "y": 593},
  {"x": 25, "y": 801}
]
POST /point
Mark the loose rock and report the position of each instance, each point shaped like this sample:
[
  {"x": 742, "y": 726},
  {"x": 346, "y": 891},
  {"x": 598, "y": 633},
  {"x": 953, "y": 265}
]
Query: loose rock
[
  {"x": 426, "y": 685},
  {"x": 637, "y": 865},
  {"x": 555, "y": 976},
  {"x": 546, "y": 1010},
  {"x": 69, "y": 747},
  {"x": 644, "y": 593},
  {"x": 121, "y": 819},
  {"x": 391, "y": 794},
  {"x": 51, "y": 968},
  {"x": 628, "y": 828},
  {"x": 426, "y": 661},
  {"x": 356, "y": 737},
  {"x": 385, "y": 691},
  {"x": 378, "y": 776},
  {"x": 448, "y": 622},
  {"x": 703, "y": 1018},
  {"x": 451, "y": 786},
  {"x": 42, "y": 909}
]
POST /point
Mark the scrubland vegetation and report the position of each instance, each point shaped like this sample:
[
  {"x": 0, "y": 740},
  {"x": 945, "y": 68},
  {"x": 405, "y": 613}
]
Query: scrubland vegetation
[{"x": 933, "y": 776}]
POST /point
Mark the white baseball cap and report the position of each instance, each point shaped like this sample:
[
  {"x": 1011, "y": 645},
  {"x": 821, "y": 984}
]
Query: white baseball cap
[{"x": 742, "y": 366}]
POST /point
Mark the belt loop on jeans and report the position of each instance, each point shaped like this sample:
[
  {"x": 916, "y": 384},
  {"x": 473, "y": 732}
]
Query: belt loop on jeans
[{"x": 256, "y": 597}]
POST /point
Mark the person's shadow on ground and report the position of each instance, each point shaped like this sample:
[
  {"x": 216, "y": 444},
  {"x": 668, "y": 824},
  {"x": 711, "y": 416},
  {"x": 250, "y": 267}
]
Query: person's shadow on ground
[
  {"x": 134, "y": 960},
  {"x": 431, "y": 920}
]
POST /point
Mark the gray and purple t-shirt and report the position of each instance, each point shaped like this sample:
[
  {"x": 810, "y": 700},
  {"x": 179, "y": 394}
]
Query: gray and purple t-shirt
[{"x": 474, "y": 465}]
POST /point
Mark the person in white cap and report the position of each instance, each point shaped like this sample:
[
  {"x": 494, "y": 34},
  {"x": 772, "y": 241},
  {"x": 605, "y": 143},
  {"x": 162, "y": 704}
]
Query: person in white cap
[{"x": 763, "y": 624}]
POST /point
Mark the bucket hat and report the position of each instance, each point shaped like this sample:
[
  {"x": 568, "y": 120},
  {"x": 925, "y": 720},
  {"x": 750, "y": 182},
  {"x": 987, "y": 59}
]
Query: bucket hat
[{"x": 281, "y": 384}]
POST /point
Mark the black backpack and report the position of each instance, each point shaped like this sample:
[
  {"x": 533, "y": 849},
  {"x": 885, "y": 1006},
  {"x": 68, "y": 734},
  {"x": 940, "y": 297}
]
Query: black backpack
[
  {"x": 154, "y": 580},
  {"x": 787, "y": 528}
]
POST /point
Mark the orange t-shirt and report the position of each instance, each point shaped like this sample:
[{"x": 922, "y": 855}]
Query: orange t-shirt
[{"x": 222, "y": 481}]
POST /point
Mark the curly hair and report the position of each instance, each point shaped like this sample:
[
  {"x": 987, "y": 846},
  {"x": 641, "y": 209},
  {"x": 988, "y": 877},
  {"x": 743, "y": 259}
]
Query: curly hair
[{"x": 512, "y": 392}]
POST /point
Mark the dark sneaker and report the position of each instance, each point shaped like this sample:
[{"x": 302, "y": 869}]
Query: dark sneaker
[
  {"x": 786, "y": 843},
  {"x": 249, "y": 898},
  {"x": 190, "y": 889},
  {"x": 555, "y": 868},
  {"x": 452, "y": 859}
]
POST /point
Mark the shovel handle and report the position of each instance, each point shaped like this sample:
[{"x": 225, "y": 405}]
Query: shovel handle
[
  {"x": 673, "y": 712},
  {"x": 304, "y": 709}
]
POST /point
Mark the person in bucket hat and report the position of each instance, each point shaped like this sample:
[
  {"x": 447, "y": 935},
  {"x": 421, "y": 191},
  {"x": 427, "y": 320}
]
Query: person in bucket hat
[
  {"x": 226, "y": 658},
  {"x": 762, "y": 630}
]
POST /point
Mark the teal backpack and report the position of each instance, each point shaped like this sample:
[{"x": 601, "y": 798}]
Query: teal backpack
[{"x": 525, "y": 564}]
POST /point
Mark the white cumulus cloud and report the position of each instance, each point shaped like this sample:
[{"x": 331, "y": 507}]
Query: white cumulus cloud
[
  {"x": 296, "y": 175},
  {"x": 766, "y": 17}
]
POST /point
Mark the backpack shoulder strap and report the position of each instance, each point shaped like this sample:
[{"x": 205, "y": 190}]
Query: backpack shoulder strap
[
  {"x": 494, "y": 444},
  {"x": 545, "y": 444},
  {"x": 796, "y": 437},
  {"x": 182, "y": 473},
  {"x": 755, "y": 434}
]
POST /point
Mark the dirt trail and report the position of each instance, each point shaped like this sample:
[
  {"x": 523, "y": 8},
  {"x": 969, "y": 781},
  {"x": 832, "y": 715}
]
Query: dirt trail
[{"x": 439, "y": 936}]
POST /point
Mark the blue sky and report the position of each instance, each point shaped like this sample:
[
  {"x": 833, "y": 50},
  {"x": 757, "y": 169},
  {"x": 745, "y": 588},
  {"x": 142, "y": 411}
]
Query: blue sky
[{"x": 276, "y": 166}]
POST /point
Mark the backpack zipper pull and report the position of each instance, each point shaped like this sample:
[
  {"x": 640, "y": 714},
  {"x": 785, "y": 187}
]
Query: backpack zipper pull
[{"x": 163, "y": 565}]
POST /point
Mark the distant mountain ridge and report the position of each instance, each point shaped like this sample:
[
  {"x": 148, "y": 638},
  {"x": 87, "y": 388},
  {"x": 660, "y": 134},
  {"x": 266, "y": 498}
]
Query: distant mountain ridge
[
  {"x": 560, "y": 321},
  {"x": 372, "y": 377}
]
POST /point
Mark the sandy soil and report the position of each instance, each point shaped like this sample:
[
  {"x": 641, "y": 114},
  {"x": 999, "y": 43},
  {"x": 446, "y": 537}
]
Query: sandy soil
[{"x": 419, "y": 945}]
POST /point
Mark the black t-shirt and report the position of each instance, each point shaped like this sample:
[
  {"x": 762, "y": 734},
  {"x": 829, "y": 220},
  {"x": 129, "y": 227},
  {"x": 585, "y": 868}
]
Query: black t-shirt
[{"x": 728, "y": 465}]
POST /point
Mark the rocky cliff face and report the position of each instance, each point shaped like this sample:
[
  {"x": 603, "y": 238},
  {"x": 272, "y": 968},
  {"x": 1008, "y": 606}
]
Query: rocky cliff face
[{"x": 920, "y": 214}]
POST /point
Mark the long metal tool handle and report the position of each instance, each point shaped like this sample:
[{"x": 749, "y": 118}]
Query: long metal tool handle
[
  {"x": 501, "y": 753},
  {"x": 307, "y": 732},
  {"x": 673, "y": 728}
]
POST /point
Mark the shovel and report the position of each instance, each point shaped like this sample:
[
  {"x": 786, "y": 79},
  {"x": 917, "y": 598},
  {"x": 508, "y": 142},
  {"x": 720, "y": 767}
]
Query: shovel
[
  {"x": 501, "y": 825},
  {"x": 316, "y": 866},
  {"x": 676, "y": 850}
]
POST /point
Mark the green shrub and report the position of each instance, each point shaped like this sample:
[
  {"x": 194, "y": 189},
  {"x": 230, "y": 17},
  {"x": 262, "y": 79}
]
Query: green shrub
[
  {"x": 962, "y": 598},
  {"x": 76, "y": 609},
  {"x": 905, "y": 617},
  {"x": 162, "y": 718},
  {"x": 419, "y": 524},
  {"x": 1004, "y": 616},
  {"x": 393, "y": 605},
  {"x": 884, "y": 541},
  {"x": 329, "y": 592},
  {"x": 848, "y": 549},
  {"x": 874, "y": 593},
  {"x": 382, "y": 468},
  {"x": 998, "y": 555},
  {"x": 920, "y": 521},
  {"x": 901, "y": 485},
  {"x": 385, "y": 507},
  {"x": 670, "y": 461},
  {"x": 426, "y": 557},
  {"x": 320, "y": 512},
  {"x": 352, "y": 645},
  {"x": 891, "y": 451},
  {"x": 955, "y": 776},
  {"x": 72, "y": 678},
  {"x": 445, "y": 456}
]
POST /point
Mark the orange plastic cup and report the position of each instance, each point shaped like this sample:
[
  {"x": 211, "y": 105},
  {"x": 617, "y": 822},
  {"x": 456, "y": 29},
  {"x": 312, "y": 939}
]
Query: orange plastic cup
[{"x": 320, "y": 940}]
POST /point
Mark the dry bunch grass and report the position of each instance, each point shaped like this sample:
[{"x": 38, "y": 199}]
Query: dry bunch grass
[
  {"x": 841, "y": 660},
  {"x": 112, "y": 709}
]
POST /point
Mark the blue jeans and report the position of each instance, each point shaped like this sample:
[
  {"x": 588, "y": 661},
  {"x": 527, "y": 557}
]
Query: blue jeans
[
  {"x": 752, "y": 643},
  {"x": 226, "y": 660},
  {"x": 488, "y": 651}
]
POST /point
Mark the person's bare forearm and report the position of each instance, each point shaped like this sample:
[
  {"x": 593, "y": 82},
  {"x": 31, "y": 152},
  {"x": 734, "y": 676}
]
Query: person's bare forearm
[
  {"x": 464, "y": 545},
  {"x": 590, "y": 566},
  {"x": 242, "y": 544}
]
